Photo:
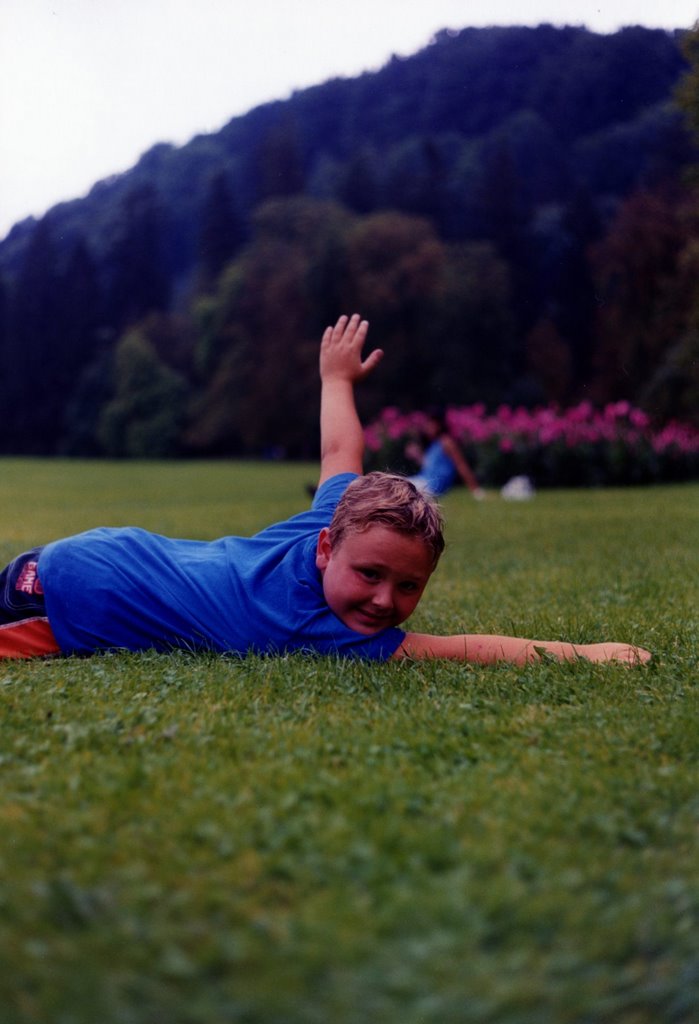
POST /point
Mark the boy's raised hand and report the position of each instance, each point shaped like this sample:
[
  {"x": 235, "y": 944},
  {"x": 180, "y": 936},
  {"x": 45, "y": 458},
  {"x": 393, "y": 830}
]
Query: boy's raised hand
[
  {"x": 341, "y": 367},
  {"x": 341, "y": 351}
]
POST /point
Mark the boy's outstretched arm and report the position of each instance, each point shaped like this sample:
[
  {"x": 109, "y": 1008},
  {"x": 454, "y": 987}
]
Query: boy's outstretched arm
[
  {"x": 486, "y": 650},
  {"x": 341, "y": 367},
  {"x": 462, "y": 467}
]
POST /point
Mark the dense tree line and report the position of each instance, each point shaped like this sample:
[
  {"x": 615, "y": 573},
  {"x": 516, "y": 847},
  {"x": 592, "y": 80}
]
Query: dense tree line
[{"x": 509, "y": 207}]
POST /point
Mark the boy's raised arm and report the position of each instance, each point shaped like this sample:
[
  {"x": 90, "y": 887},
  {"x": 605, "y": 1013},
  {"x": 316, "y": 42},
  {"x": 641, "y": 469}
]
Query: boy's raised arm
[
  {"x": 341, "y": 367},
  {"x": 486, "y": 649}
]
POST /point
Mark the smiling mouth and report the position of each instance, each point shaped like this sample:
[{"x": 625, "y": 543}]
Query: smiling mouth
[{"x": 373, "y": 618}]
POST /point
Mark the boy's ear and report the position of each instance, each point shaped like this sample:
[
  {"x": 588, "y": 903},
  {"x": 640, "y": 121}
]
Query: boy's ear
[{"x": 323, "y": 549}]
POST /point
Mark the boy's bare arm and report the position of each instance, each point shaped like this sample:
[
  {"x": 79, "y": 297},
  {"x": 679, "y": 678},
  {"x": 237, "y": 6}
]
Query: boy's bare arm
[
  {"x": 341, "y": 367},
  {"x": 462, "y": 467},
  {"x": 486, "y": 649}
]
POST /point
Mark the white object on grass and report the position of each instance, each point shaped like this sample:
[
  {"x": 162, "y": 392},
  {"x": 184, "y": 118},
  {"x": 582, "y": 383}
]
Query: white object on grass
[{"x": 518, "y": 488}]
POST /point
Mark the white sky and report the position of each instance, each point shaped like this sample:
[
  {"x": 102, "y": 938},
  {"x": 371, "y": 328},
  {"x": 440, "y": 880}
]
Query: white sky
[{"x": 87, "y": 86}]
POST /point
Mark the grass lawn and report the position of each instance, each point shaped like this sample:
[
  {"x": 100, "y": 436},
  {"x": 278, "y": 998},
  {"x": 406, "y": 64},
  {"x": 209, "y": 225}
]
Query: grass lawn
[{"x": 303, "y": 841}]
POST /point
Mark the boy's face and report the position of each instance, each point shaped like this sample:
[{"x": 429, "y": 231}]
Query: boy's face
[{"x": 373, "y": 579}]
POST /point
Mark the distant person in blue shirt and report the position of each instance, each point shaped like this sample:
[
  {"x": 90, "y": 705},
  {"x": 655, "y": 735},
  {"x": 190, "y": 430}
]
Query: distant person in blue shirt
[
  {"x": 442, "y": 462},
  {"x": 338, "y": 579}
]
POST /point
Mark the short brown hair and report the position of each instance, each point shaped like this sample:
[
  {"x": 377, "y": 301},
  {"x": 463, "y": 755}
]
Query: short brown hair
[{"x": 387, "y": 499}]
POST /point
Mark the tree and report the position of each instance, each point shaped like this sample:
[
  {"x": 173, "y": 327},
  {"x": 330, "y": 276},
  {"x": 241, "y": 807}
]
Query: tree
[
  {"x": 687, "y": 91},
  {"x": 85, "y": 343},
  {"x": 473, "y": 330},
  {"x": 561, "y": 272},
  {"x": 4, "y": 343},
  {"x": 136, "y": 260},
  {"x": 279, "y": 163},
  {"x": 643, "y": 300},
  {"x": 549, "y": 360},
  {"x": 359, "y": 187},
  {"x": 145, "y": 416},
  {"x": 506, "y": 215},
  {"x": 259, "y": 334},
  {"x": 221, "y": 233},
  {"x": 34, "y": 378},
  {"x": 318, "y": 232},
  {"x": 416, "y": 178},
  {"x": 395, "y": 278},
  {"x": 672, "y": 391}
]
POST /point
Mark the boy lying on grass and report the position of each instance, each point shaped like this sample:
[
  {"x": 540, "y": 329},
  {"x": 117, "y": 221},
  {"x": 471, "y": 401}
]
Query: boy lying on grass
[{"x": 337, "y": 579}]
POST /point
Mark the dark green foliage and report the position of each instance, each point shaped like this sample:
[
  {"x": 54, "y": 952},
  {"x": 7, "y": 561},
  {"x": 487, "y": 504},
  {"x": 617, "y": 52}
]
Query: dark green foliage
[
  {"x": 145, "y": 415},
  {"x": 138, "y": 282},
  {"x": 648, "y": 295},
  {"x": 492, "y": 138},
  {"x": 278, "y": 162},
  {"x": 221, "y": 233},
  {"x": 688, "y": 89},
  {"x": 53, "y": 332}
]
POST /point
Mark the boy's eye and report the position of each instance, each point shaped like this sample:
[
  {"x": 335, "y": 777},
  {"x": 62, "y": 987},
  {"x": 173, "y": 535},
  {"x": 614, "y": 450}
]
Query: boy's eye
[
  {"x": 408, "y": 587},
  {"x": 369, "y": 574}
]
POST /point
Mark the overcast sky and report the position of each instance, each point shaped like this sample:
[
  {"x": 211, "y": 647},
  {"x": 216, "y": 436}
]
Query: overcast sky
[{"x": 86, "y": 86}]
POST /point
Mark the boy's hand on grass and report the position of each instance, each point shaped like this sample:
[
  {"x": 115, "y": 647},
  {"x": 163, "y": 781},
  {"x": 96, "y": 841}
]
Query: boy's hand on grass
[
  {"x": 626, "y": 653},
  {"x": 341, "y": 351}
]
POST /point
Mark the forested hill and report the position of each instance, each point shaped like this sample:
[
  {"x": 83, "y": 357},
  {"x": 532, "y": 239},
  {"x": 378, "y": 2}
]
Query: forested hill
[
  {"x": 496, "y": 157},
  {"x": 574, "y": 109}
]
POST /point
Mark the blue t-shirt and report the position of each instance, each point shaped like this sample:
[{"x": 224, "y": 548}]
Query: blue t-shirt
[
  {"x": 438, "y": 472},
  {"x": 127, "y": 588}
]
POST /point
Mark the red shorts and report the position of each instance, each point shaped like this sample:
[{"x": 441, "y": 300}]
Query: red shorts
[
  {"x": 31, "y": 638},
  {"x": 24, "y": 628}
]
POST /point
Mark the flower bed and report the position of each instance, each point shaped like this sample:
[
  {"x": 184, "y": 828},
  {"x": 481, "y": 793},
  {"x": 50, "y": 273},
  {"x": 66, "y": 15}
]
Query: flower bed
[{"x": 579, "y": 446}]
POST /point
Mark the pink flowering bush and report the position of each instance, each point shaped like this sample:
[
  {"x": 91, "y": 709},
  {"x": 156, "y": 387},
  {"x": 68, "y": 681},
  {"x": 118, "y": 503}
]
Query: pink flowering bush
[{"x": 580, "y": 446}]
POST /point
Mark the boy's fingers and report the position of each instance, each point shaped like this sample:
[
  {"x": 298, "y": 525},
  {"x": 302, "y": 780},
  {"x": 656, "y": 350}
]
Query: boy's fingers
[
  {"x": 372, "y": 361},
  {"x": 362, "y": 326},
  {"x": 334, "y": 332},
  {"x": 350, "y": 329},
  {"x": 357, "y": 337}
]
